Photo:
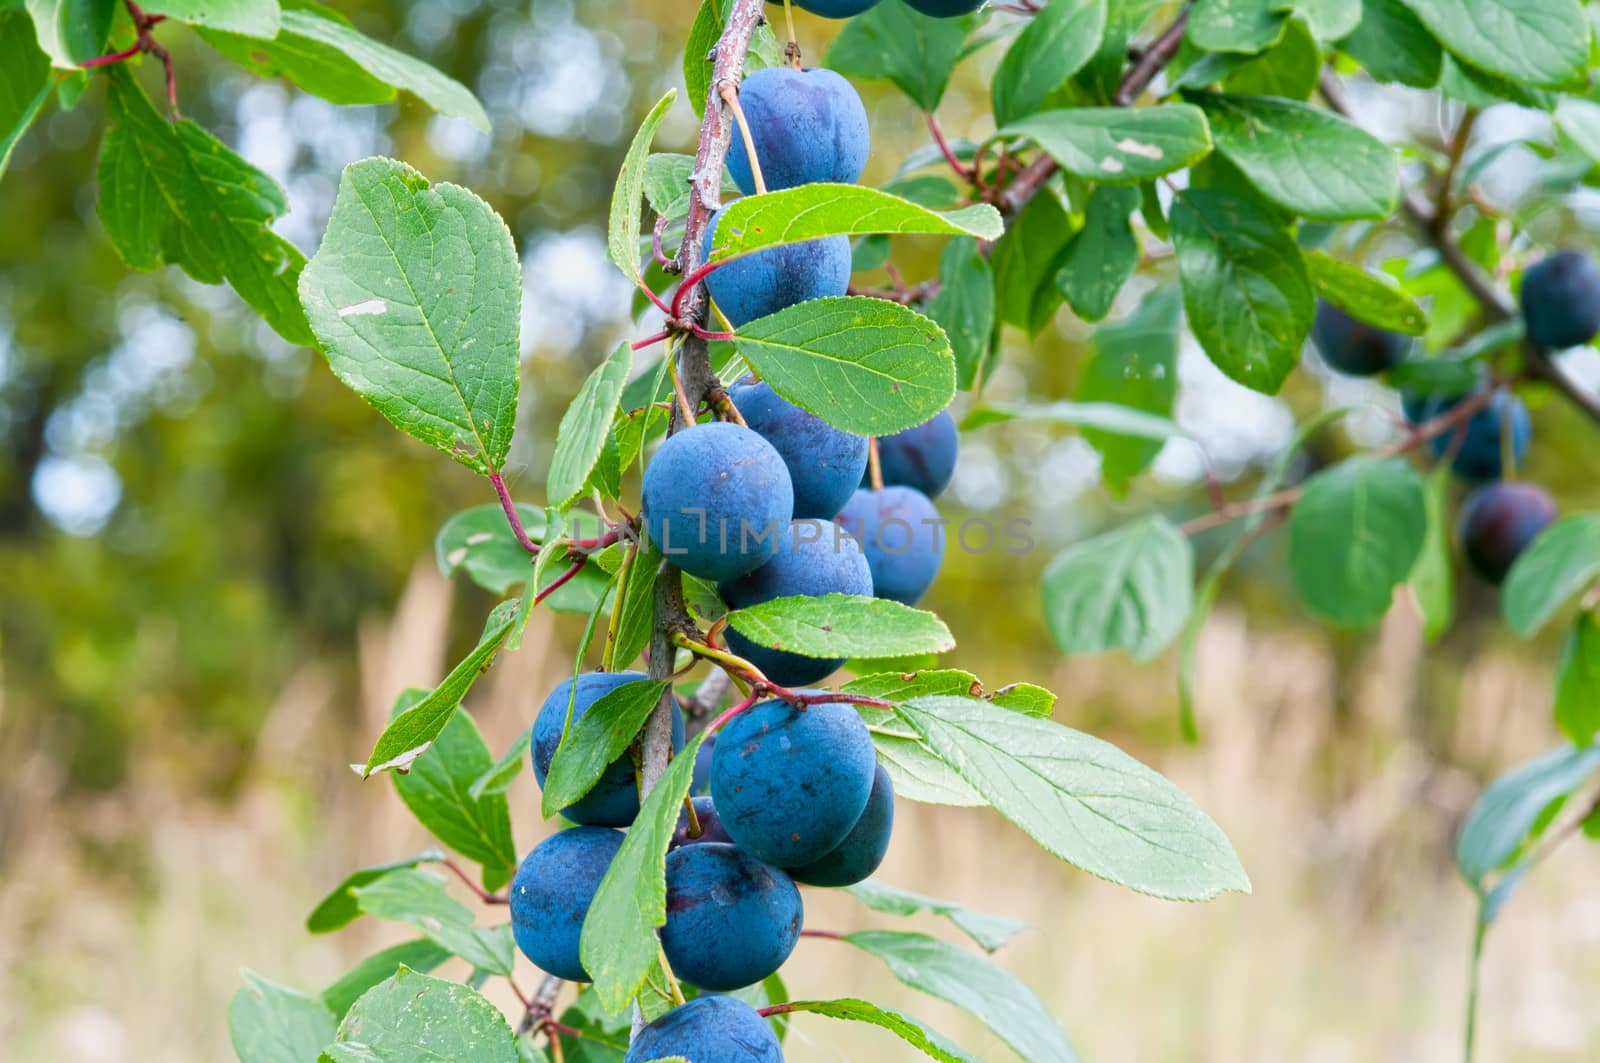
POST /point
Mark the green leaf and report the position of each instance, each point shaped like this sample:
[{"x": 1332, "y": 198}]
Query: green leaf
[
  {"x": 964, "y": 306},
  {"x": 622, "y": 234},
  {"x": 413, "y": 1017},
  {"x": 322, "y": 53},
  {"x": 1302, "y": 158},
  {"x": 637, "y": 608},
  {"x": 478, "y": 541},
  {"x": 618, "y": 945},
  {"x": 1133, "y": 365},
  {"x": 1054, "y": 45},
  {"x": 1354, "y": 535},
  {"x": 70, "y": 31},
  {"x": 703, "y": 34},
  {"x": 1082, "y": 799},
  {"x": 25, "y": 81},
  {"x": 1328, "y": 19},
  {"x": 1245, "y": 287},
  {"x": 974, "y": 983},
  {"x": 586, "y": 425},
  {"x": 666, "y": 183},
  {"x": 416, "y": 300},
  {"x": 813, "y": 211},
  {"x": 1025, "y": 263},
  {"x": 1579, "y": 119},
  {"x": 1287, "y": 69},
  {"x": 892, "y": 42},
  {"x": 1105, "y": 416},
  {"x": 500, "y": 776},
  {"x": 171, "y": 193},
  {"x": 917, "y": 772},
  {"x": 418, "y": 899},
  {"x": 1393, "y": 45},
  {"x": 1542, "y": 42},
  {"x": 598, "y": 737},
  {"x": 1101, "y": 258},
  {"x": 1578, "y": 680},
  {"x": 269, "y": 1023},
  {"x": 1118, "y": 145},
  {"x": 1515, "y": 807},
  {"x": 989, "y": 932},
  {"x": 339, "y": 909},
  {"x": 930, "y": 1042},
  {"x": 436, "y": 790},
  {"x": 1247, "y": 26},
  {"x": 1562, "y": 562},
  {"x": 419, "y": 955},
  {"x": 1433, "y": 576},
  {"x": 1026, "y": 698},
  {"x": 842, "y": 625},
  {"x": 408, "y": 735},
  {"x": 1373, "y": 298},
  {"x": 868, "y": 366},
  {"x": 253, "y": 18},
  {"x": 1130, "y": 589}
]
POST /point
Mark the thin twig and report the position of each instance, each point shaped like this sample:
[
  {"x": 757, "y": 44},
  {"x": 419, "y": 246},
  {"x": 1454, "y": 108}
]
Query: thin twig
[
  {"x": 512, "y": 517},
  {"x": 483, "y": 895}
]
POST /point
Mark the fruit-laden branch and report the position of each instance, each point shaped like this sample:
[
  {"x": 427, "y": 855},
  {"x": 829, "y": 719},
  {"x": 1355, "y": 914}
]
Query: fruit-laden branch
[
  {"x": 694, "y": 354},
  {"x": 1435, "y": 228},
  {"x": 1138, "y": 78}
]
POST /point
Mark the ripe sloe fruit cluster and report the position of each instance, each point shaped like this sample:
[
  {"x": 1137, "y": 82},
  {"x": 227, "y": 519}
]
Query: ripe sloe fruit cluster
[
  {"x": 1499, "y": 519},
  {"x": 765, "y": 509}
]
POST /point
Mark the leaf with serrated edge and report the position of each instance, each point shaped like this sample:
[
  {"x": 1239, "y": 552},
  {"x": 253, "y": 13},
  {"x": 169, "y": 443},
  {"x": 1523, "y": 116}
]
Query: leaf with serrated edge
[
  {"x": 419, "y": 899},
  {"x": 868, "y": 366},
  {"x": 339, "y": 909},
  {"x": 1302, "y": 158},
  {"x": 416, "y": 300},
  {"x": 928, "y": 1041},
  {"x": 408, "y": 735},
  {"x": 419, "y": 955},
  {"x": 270, "y": 1023},
  {"x": 436, "y": 791},
  {"x": 253, "y": 18},
  {"x": 622, "y": 234},
  {"x": 814, "y": 211},
  {"x": 1118, "y": 145},
  {"x": 598, "y": 737},
  {"x": 1373, "y": 298},
  {"x": 1129, "y": 589},
  {"x": 1082, "y": 799},
  {"x": 842, "y": 625},
  {"x": 171, "y": 193},
  {"x": 1355, "y": 535},
  {"x": 618, "y": 945},
  {"x": 1542, "y": 42},
  {"x": 1245, "y": 287},
  {"x": 1560, "y": 563},
  {"x": 989, "y": 932},
  {"x": 975, "y": 983},
  {"x": 454, "y": 1021},
  {"x": 586, "y": 424}
]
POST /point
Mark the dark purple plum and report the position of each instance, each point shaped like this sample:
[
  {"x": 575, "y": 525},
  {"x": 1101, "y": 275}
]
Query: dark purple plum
[
  {"x": 716, "y": 499},
  {"x": 807, "y": 126},
  {"x": 825, "y": 464},
  {"x": 731, "y": 919},
  {"x": 551, "y": 894},
  {"x": 902, "y": 536},
  {"x": 708, "y": 1029},
  {"x": 1561, "y": 300},
  {"x": 1498, "y": 521},
  {"x": 775, "y": 278},
  {"x": 814, "y": 557},
  {"x": 1350, "y": 345},
  {"x": 863, "y": 849},
  {"x": 711, "y": 830},
  {"x": 923, "y": 457},
  {"x": 790, "y": 783}
]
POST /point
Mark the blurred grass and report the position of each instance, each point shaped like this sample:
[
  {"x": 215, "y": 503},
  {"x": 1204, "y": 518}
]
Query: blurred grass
[{"x": 127, "y": 916}]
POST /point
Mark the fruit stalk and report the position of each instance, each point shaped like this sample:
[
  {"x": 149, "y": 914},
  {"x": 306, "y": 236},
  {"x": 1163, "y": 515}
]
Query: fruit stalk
[{"x": 695, "y": 375}]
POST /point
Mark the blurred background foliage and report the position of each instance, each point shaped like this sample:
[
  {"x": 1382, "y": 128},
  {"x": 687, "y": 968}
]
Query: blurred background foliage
[{"x": 215, "y": 575}]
